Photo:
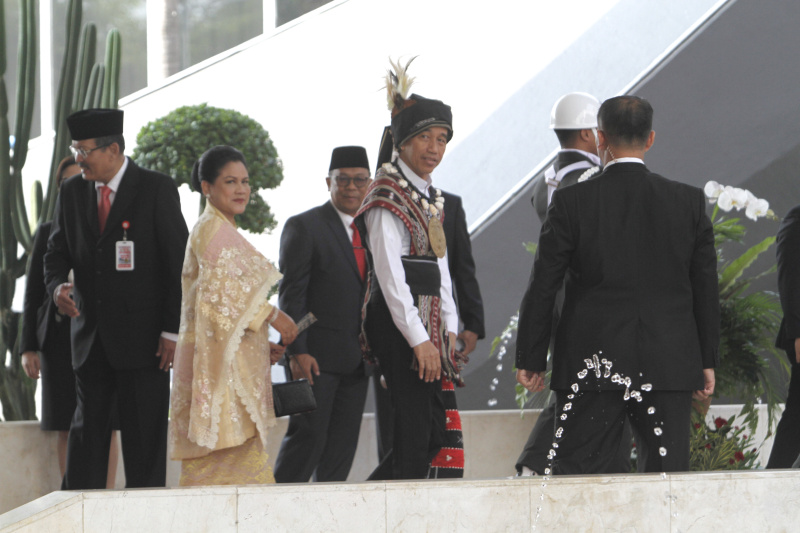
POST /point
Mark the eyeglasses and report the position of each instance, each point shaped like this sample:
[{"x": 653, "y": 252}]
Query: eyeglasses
[
  {"x": 345, "y": 181},
  {"x": 83, "y": 152}
]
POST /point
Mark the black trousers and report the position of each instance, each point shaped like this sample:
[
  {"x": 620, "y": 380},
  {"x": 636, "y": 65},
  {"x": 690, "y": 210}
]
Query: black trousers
[
  {"x": 384, "y": 416},
  {"x": 540, "y": 442},
  {"x": 786, "y": 446},
  {"x": 592, "y": 433},
  {"x": 322, "y": 443},
  {"x": 142, "y": 396},
  {"x": 419, "y": 412}
]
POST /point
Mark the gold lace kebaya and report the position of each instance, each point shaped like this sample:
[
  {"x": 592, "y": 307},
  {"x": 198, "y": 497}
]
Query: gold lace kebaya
[{"x": 221, "y": 385}]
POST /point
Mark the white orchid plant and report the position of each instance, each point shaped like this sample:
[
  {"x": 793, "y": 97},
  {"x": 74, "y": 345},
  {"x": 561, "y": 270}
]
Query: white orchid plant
[
  {"x": 727, "y": 198},
  {"x": 749, "y": 319}
]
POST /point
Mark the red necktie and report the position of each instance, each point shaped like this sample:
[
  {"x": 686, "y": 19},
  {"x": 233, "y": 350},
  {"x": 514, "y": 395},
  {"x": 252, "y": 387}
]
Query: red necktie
[
  {"x": 358, "y": 250},
  {"x": 104, "y": 207}
]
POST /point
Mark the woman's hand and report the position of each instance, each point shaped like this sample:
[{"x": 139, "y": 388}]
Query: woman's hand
[
  {"x": 275, "y": 352},
  {"x": 286, "y": 327}
]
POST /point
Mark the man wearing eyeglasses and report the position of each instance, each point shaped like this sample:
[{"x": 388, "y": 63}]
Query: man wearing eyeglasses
[
  {"x": 323, "y": 266},
  {"x": 119, "y": 228}
]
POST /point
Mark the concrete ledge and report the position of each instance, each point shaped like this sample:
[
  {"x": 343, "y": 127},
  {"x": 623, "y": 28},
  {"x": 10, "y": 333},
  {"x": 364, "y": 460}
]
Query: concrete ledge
[
  {"x": 493, "y": 441},
  {"x": 761, "y": 501}
]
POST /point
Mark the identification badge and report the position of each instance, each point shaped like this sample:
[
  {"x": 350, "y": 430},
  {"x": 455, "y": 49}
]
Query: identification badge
[{"x": 124, "y": 255}]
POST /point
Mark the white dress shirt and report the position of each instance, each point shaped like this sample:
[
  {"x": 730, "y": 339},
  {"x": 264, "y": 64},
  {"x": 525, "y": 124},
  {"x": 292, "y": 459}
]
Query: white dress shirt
[
  {"x": 113, "y": 184},
  {"x": 389, "y": 240},
  {"x": 346, "y": 220}
]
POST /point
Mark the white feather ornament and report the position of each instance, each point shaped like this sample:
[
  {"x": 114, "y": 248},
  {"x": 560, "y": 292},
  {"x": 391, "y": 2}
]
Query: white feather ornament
[{"x": 398, "y": 83}]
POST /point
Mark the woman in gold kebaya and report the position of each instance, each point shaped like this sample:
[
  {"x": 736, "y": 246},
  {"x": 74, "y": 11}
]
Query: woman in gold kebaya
[{"x": 221, "y": 386}]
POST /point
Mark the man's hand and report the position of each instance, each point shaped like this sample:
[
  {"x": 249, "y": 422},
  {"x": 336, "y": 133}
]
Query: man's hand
[
  {"x": 166, "y": 351},
  {"x": 275, "y": 352},
  {"x": 430, "y": 364},
  {"x": 708, "y": 390},
  {"x": 31, "y": 364},
  {"x": 65, "y": 303},
  {"x": 470, "y": 339},
  {"x": 533, "y": 381},
  {"x": 303, "y": 365}
]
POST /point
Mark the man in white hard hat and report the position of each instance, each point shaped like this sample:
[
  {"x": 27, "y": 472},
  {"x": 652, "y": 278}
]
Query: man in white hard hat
[{"x": 574, "y": 121}]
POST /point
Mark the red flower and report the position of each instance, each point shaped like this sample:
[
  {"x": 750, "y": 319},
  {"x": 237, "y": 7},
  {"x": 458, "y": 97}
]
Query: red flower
[
  {"x": 739, "y": 456},
  {"x": 697, "y": 425},
  {"x": 730, "y": 461},
  {"x": 708, "y": 446},
  {"x": 719, "y": 422}
]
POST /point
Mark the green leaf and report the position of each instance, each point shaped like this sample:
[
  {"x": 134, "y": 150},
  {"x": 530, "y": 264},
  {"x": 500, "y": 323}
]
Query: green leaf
[{"x": 735, "y": 269}]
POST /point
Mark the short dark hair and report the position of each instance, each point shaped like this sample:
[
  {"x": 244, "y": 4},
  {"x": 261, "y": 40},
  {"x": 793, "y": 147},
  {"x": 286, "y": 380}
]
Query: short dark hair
[
  {"x": 626, "y": 120},
  {"x": 111, "y": 139},
  {"x": 210, "y": 164},
  {"x": 567, "y": 138},
  {"x": 62, "y": 166}
]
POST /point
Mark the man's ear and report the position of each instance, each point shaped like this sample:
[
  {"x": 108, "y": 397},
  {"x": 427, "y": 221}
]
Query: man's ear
[
  {"x": 601, "y": 141},
  {"x": 650, "y": 140},
  {"x": 328, "y": 181}
]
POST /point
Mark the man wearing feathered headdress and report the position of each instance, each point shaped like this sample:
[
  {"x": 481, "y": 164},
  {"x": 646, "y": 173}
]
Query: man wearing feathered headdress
[{"x": 410, "y": 319}]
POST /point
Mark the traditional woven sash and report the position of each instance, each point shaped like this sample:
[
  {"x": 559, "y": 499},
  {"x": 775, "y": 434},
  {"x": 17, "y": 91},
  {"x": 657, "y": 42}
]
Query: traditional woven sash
[{"x": 387, "y": 192}]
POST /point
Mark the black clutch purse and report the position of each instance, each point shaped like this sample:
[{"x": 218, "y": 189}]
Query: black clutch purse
[{"x": 293, "y": 397}]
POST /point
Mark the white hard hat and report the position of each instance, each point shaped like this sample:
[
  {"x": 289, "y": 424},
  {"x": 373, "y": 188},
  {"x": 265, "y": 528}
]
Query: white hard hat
[{"x": 574, "y": 111}]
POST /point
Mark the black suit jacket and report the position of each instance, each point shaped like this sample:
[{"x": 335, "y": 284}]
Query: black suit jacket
[
  {"x": 637, "y": 253},
  {"x": 788, "y": 254},
  {"x": 563, "y": 159},
  {"x": 462, "y": 266},
  {"x": 320, "y": 275},
  {"x": 39, "y": 309},
  {"x": 126, "y": 310}
]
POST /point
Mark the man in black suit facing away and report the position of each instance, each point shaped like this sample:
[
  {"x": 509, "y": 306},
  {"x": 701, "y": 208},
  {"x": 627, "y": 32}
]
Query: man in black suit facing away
[
  {"x": 635, "y": 252},
  {"x": 786, "y": 447},
  {"x": 119, "y": 228},
  {"x": 323, "y": 266}
]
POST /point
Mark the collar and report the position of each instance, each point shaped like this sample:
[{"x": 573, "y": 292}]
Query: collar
[
  {"x": 624, "y": 160},
  {"x": 211, "y": 210},
  {"x": 346, "y": 219},
  {"x": 416, "y": 181},
  {"x": 115, "y": 181},
  {"x": 588, "y": 155}
]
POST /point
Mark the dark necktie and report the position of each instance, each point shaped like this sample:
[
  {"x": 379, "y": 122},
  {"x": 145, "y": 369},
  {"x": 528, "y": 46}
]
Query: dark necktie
[
  {"x": 104, "y": 207},
  {"x": 358, "y": 250}
]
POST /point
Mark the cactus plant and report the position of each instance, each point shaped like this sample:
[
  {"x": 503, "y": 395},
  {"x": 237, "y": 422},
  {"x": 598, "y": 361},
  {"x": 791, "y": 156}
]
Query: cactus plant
[
  {"x": 16, "y": 391},
  {"x": 16, "y": 229}
]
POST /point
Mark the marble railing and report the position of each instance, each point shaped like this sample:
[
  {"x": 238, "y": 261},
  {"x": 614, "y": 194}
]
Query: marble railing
[{"x": 493, "y": 440}]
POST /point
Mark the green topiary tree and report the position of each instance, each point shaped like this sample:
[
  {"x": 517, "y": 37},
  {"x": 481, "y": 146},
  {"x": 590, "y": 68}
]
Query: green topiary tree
[{"x": 173, "y": 143}]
